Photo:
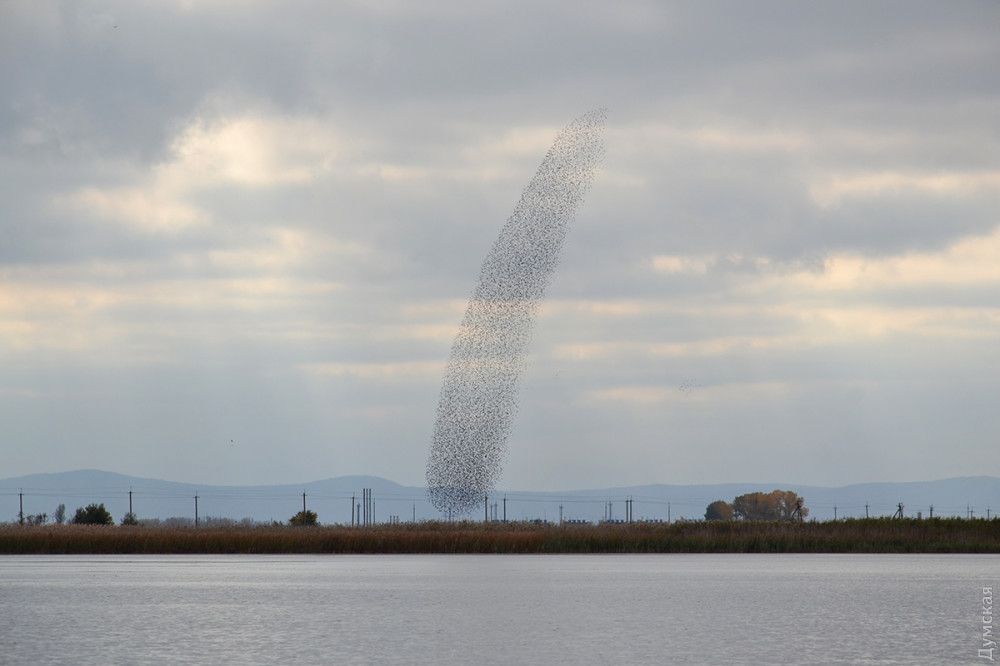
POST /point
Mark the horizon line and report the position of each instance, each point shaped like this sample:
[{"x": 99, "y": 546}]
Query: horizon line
[{"x": 508, "y": 490}]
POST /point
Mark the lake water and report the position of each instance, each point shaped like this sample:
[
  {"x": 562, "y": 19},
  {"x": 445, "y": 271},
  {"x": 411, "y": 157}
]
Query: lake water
[{"x": 570, "y": 609}]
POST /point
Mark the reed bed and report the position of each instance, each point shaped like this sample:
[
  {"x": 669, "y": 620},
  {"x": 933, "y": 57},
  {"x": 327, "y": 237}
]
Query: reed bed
[{"x": 877, "y": 535}]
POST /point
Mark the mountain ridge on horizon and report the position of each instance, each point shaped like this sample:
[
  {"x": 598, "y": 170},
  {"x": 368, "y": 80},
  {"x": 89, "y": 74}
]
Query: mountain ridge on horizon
[
  {"x": 385, "y": 480},
  {"x": 331, "y": 497}
]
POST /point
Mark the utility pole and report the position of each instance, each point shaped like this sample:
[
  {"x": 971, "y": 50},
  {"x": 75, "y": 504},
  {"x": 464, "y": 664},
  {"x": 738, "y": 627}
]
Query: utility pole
[
  {"x": 668, "y": 513},
  {"x": 20, "y": 503},
  {"x": 196, "y": 510},
  {"x": 303, "y": 502},
  {"x": 932, "y": 510},
  {"x": 866, "y": 510},
  {"x": 368, "y": 502},
  {"x": 352, "y": 509},
  {"x": 987, "y": 513},
  {"x": 835, "y": 512},
  {"x": 486, "y": 507},
  {"x": 505, "y": 508},
  {"x": 560, "y": 514},
  {"x": 130, "y": 500},
  {"x": 899, "y": 511},
  {"x": 414, "y": 512}
]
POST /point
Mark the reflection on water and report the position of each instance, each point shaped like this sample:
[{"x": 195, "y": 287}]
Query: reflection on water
[{"x": 920, "y": 609}]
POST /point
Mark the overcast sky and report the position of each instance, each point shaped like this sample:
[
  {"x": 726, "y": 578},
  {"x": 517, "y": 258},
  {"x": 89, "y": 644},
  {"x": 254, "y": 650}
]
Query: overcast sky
[{"x": 237, "y": 239}]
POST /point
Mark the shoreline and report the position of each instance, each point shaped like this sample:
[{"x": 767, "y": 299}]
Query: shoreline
[{"x": 875, "y": 535}]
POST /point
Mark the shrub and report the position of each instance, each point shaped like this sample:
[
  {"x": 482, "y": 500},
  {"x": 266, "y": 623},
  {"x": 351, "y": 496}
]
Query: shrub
[
  {"x": 304, "y": 519},
  {"x": 93, "y": 514}
]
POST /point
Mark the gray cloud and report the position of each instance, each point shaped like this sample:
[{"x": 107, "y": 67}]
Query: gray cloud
[{"x": 264, "y": 219}]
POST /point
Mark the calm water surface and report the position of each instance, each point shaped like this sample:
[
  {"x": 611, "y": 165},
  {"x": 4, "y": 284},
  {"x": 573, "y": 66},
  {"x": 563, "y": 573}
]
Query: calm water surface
[{"x": 629, "y": 609}]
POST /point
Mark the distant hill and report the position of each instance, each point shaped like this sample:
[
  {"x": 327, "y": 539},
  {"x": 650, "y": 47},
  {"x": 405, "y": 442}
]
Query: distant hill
[{"x": 331, "y": 498}]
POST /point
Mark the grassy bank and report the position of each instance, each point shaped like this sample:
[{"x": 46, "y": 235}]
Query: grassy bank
[{"x": 847, "y": 536}]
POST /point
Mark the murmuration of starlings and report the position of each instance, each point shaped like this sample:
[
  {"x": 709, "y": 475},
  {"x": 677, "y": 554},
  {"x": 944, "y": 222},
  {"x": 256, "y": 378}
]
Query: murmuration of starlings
[{"x": 479, "y": 393}]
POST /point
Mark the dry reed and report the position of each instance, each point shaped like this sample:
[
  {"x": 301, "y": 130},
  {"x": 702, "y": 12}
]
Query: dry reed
[{"x": 846, "y": 536}]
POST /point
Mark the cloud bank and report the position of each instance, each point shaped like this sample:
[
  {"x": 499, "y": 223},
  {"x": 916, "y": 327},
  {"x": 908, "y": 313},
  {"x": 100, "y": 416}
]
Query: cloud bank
[{"x": 256, "y": 222}]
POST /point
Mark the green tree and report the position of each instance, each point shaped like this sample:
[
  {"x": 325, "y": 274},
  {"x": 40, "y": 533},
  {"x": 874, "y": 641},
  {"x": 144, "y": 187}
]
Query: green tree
[
  {"x": 59, "y": 516},
  {"x": 130, "y": 519},
  {"x": 304, "y": 519},
  {"x": 719, "y": 510},
  {"x": 93, "y": 514},
  {"x": 36, "y": 519}
]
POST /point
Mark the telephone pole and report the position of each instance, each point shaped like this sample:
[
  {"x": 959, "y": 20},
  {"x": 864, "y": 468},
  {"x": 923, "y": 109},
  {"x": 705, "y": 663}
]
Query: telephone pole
[
  {"x": 866, "y": 510},
  {"x": 560, "y": 514},
  {"x": 303, "y": 502},
  {"x": 20, "y": 504},
  {"x": 668, "y": 513},
  {"x": 352, "y": 509},
  {"x": 505, "y": 508},
  {"x": 196, "y": 510},
  {"x": 486, "y": 508},
  {"x": 932, "y": 510},
  {"x": 835, "y": 512},
  {"x": 130, "y": 500},
  {"x": 414, "y": 512}
]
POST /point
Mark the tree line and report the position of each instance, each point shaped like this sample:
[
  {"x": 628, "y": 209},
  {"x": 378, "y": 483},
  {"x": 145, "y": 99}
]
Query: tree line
[
  {"x": 98, "y": 514},
  {"x": 775, "y": 505}
]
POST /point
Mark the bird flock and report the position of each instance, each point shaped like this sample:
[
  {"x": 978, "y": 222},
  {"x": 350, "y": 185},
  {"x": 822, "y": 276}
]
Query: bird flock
[{"x": 479, "y": 393}]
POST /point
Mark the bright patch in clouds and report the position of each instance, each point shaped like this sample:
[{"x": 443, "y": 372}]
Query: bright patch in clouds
[{"x": 251, "y": 152}]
